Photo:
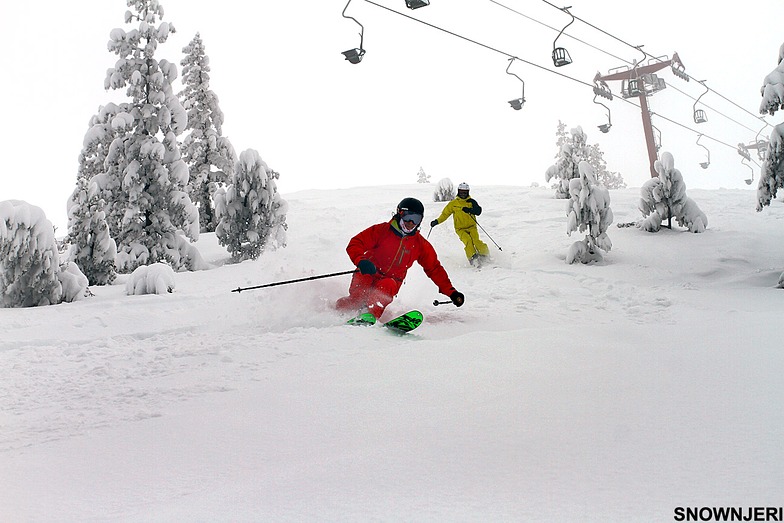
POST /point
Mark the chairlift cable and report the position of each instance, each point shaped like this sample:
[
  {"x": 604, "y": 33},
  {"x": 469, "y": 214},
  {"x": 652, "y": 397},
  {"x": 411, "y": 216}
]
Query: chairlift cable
[
  {"x": 556, "y": 29},
  {"x": 508, "y": 55},
  {"x": 712, "y": 109},
  {"x": 653, "y": 58}
]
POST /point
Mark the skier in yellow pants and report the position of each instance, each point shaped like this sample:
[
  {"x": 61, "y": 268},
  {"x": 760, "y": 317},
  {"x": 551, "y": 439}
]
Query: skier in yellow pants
[{"x": 463, "y": 210}]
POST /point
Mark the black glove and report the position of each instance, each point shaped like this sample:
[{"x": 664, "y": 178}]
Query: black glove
[
  {"x": 475, "y": 209},
  {"x": 366, "y": 267},
  {"x": 434, "y": 223},
  {"x": 457, "y": 298}
]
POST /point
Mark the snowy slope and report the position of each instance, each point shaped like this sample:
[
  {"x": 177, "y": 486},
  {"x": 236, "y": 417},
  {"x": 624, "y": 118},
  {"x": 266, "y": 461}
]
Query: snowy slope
[{"x": 558, "y": 392}]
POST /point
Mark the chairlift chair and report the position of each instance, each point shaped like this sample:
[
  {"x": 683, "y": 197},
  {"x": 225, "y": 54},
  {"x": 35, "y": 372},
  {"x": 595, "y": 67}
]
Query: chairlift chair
[
  {"x": 517, "y": 103},
  {"x": 704, "y": 165},
  {"x": 630, "y": 88},
  {"x": 743, "y": 150},
  {"x": 761, "y": 145},
  {"x": 416, "y": 4},
  {"x": 355, "y": 55},
  {"x": 699, "y": 114},
  {"x": 762, "y": 149},
  {"x": 560, "y": 55},
  {"x": 600, "y": 87},
  {"x": 605, "y": 127},
  {"x": 653, "y": 83},
  {"x": 748, "y": 180}
]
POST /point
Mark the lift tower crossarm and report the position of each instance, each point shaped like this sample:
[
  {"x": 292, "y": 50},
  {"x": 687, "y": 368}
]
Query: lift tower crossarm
[{"x": 636, "y": 73}]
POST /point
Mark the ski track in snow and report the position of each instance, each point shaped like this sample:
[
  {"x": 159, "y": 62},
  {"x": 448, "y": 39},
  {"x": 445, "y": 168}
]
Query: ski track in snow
[{"x": 113, "y": 360}]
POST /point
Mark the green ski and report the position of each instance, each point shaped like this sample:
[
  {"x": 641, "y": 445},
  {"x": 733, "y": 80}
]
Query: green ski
[
  {"x": 400, "y": 325},
  {"x": 363, "y": 319},
  {"x": 405, "y": 322}
]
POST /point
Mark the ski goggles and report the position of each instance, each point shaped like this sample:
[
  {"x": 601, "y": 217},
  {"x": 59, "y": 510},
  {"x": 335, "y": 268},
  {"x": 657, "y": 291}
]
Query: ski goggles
[{"x": 412, "y": 217}]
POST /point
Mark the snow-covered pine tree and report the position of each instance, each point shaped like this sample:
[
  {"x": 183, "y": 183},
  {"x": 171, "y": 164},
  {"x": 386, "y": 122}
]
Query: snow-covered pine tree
[
  {"x": 445, "y": 191},
  {"x": 29, "y": 261},
  {"x": 92, "y": 248},
  {"x": 609, "y": 179},
  {"x": 205, "y": 147},
  {"x": 147, "y": 162},
  {"x": 589, "y": 208},
  {"x": 111, "y": 122},
  {"x": 664, "y": 198},
  {"x": 572, "y": 150},
  {"x": 422, "y": 177},
  {"x": 251, "y": 213},
  {"x": 772, "y": 172}
]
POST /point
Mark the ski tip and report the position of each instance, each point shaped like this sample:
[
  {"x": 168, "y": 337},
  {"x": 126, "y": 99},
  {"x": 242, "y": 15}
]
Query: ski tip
[
  {"x": 363, "y": 319},
  {"x": 405, "y": 322}
]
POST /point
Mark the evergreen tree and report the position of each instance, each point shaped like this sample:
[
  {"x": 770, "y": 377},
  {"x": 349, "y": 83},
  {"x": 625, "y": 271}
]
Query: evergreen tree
[
  {"x": 589, "y": 208},
  {"x": 251, "y": 213},
  {"x": 445, "y": 191},
  {"x": 29, "y": 261},
  {"x": 610, "y": 179},
  {"x": 145, "y": 164},
  {"x": 204, "y": 147},
  {"x": 92, "y": 247},
  {"x": 111, "y": 122},
  {"x": 664, "y": 198},
  {"x": 422, "y": 177},
  {"x": 772, "y": 172},
  {"x": 572, "y": 149}
]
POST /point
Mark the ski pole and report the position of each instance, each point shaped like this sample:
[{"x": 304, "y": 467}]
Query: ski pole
[
  {"x": 240, "y": 289},
  {"x": 484, "y": 231},
  {"x": 437, "y": 303}
]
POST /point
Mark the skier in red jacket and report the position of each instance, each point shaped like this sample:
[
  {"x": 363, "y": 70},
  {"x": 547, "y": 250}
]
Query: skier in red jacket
[{"x": 383, "y": 254}]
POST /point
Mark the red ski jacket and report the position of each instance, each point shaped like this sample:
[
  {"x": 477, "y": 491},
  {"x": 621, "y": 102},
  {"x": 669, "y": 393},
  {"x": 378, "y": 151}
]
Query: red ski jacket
[{"x": 393, "y": 252}]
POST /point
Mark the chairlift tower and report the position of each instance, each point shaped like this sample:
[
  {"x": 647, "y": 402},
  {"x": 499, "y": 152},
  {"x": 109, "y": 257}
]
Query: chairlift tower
[{"x": 641, "y": 81}]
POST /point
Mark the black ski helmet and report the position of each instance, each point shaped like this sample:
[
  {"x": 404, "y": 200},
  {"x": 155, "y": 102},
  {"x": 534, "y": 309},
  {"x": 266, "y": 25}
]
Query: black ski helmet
[{"x": 410, "y": 205}]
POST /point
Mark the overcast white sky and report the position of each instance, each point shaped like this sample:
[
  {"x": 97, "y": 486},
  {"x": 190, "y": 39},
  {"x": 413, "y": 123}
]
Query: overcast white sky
[{"x": 420, "y": 97}]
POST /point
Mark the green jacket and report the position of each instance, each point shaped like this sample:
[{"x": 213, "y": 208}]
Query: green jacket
[{"x": 462, "y": 219}]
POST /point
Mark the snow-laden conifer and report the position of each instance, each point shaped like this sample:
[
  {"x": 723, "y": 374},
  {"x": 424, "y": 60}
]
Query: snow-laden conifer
[
  {"x": 92, "y": 247},
  {"x": 210, "y": 155},
  {"x": 144, "y": 164},
  {"x": 572, "y": 149},
  {"x": 608, "y": 179},
  {"x": 588, "y": 209},
  {"x": 422, "y": 177},
  {"x": 251, "y": 213},
  {"x": 29, "y": 261},
  {"x": 111, "y": 122},
  {"x": 445, "y": 191},
  {"x": 772, "y": 172},
  {"x": 664, "y": 198}
]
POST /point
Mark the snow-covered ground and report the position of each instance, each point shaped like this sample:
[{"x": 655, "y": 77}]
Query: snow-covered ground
[{"x": 611, "y": 392}]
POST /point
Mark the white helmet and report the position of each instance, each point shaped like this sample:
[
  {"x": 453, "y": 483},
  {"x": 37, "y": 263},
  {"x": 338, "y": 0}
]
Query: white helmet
[{"x": 463, "y": 187}]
